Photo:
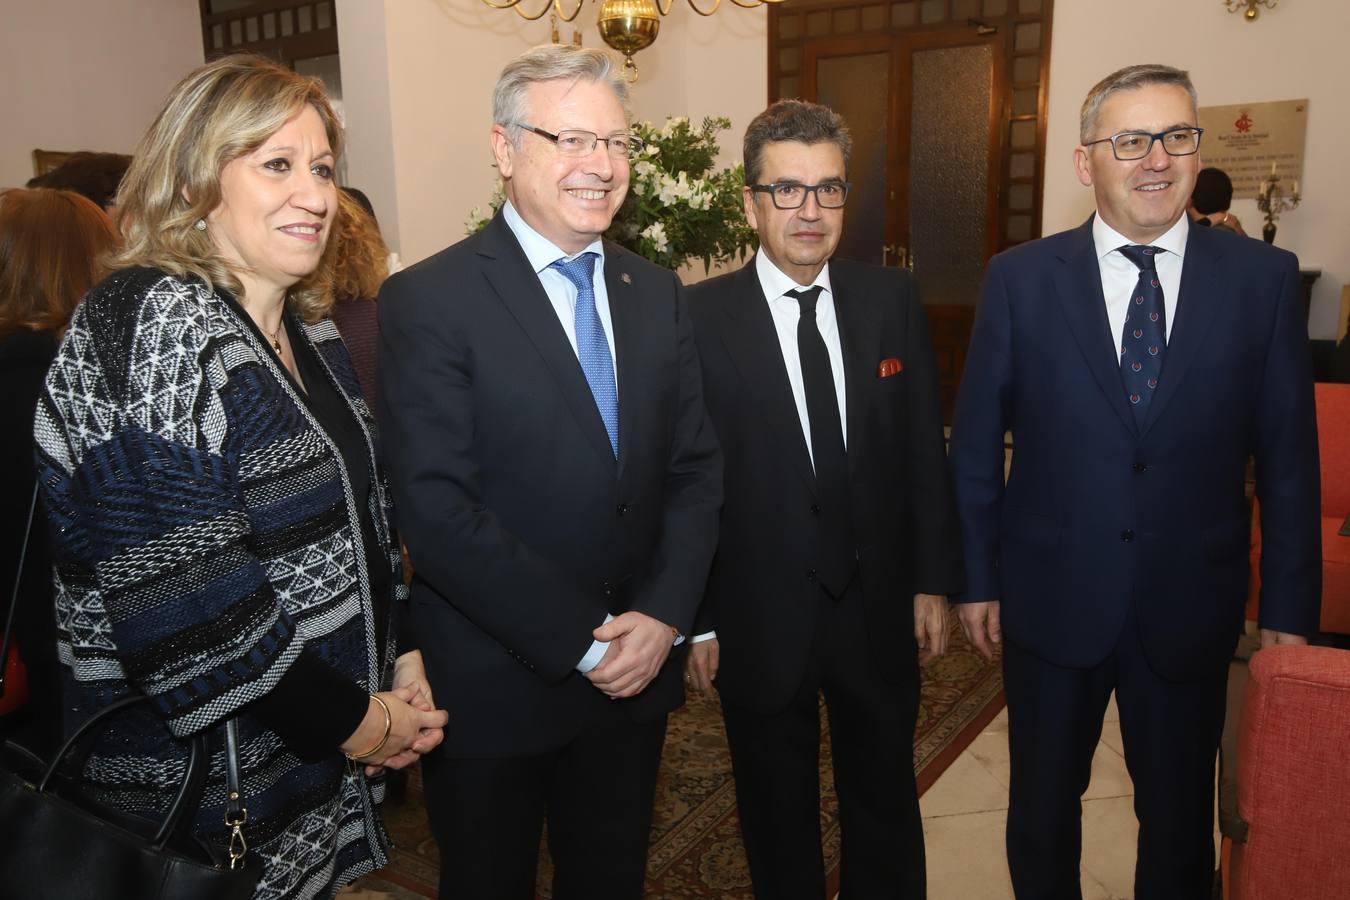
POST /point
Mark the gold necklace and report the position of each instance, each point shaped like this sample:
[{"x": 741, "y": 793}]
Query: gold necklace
[{"x": 276, "y": 336}]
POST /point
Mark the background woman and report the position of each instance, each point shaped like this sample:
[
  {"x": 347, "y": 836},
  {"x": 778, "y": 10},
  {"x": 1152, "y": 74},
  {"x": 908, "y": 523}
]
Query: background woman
[
  {"x": 52, "y": 248},
  {"x": 360, "y": 267},
  {"x": 220, "y": 520}
]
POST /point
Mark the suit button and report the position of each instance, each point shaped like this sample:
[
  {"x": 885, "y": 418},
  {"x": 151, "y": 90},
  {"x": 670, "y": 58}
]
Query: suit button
[
  {"x": 1127, "y": 535},
  {"x": 623, "y": 509},
  {"x": 810, "y": 574},
  {"x": 1140, "y": 467},
  {"x": 815, "y": 509},
  {"x": 608, "y": 588}
]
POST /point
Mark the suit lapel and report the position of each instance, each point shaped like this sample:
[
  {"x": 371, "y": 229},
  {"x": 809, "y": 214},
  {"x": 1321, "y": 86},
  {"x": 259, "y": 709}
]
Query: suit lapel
[
  {"x": 619, "y": 286},
  {"x": 752, "y": 343},
  {"x": 1078, "y": 287},
  {"x": 859, "y": 319},
  {"x": 508, "y": 271},
  {"x": 1198, "y": 301}
]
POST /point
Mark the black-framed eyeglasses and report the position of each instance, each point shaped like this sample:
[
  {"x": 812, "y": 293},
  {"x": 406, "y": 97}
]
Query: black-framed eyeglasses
[
  {"x": 572, "y": 142},
  {"x": 1132, "y": 145},
  {"x": 792, "y": 195}
]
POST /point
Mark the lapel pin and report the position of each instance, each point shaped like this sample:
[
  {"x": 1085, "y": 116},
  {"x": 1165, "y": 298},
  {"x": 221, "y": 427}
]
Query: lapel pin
[{"x": 625, "y": 278}]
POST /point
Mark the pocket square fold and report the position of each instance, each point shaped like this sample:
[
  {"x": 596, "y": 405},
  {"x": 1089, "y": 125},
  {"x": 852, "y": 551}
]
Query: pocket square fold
[{"x": 890, "y": 366}]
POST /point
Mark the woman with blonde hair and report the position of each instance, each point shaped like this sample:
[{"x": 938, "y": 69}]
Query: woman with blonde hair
[
  {"x": 52, "y": 248},
  {"x": 220, "y": 518}
]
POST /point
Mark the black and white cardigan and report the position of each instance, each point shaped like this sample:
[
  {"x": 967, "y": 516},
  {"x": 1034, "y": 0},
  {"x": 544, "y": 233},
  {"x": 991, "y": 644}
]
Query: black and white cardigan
[{"x": 204, "y": 533}]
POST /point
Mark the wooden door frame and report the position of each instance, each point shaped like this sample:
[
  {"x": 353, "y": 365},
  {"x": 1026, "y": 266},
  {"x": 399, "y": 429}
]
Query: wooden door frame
[{"x": 901, "y": 48}]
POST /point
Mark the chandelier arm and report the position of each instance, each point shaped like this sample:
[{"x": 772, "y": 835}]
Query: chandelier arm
[
  {"x": 557, "y": 7},
  {"x": 664, "y": 10},
  {"x": 752, "y": 4},
  {"x": 716, "y": 4}
]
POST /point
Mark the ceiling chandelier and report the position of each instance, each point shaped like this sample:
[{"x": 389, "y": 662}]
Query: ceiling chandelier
[
  {"x": 626, "y": 25},
  {"x": 1249, "y": 7}
]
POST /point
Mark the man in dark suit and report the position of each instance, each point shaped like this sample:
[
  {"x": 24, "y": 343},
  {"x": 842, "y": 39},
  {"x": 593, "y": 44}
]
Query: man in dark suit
[
  {"x": 839, "y": 534},
  {"x": 1138, "y": 363},
  {"x": 558, "y": 488}
]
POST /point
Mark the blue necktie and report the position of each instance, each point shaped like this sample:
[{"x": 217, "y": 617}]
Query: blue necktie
[
  {"x": 592, "y": 346},
  {"x": 1144, "y": 341}
]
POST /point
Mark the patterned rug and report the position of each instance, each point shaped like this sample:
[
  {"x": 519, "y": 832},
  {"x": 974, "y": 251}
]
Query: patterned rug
[{"x": 696, "y": 845}]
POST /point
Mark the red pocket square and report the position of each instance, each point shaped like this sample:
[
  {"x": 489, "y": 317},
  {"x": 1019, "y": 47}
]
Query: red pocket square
[{"x": 890, "y": 366}]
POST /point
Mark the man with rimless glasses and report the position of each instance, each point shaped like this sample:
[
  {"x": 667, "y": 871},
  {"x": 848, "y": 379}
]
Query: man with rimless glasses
[
  {"x": 1138, "y": 363},
  {"x": 838, "y": 537},
  {"x": 557, "y": 487}
]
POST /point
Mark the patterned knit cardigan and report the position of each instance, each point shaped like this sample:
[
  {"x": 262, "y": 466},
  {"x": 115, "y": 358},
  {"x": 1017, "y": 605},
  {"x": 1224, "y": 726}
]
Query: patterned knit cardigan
[{"x": 203, "y": 534}]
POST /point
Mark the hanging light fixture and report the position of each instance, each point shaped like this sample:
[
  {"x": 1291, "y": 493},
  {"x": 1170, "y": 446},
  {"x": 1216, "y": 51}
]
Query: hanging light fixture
[
  {"x": 1250, "y": 7},
  {"x": 626, "y": 25}
]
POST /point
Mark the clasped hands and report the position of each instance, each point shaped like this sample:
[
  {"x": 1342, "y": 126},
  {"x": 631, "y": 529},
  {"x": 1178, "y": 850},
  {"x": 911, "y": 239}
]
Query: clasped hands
[
  {"x": 415, "y": 725},
  {"x": 638, "y": 647}
]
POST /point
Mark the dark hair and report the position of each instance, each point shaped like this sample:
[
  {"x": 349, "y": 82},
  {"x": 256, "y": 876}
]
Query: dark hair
[
  {"x": 793, "y": 120},
  {"x": 52, "y": 250},
  {"x": 360, "y": 197},
  {"x": 92, "y": 175},
  {"x": 1213, "y": 191}
]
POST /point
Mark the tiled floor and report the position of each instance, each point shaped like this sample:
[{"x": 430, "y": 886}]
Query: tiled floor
[{"x": 966, "y": 810}]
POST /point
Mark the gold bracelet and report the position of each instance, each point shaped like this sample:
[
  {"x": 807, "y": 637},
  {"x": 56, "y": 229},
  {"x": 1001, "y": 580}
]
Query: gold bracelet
[{"x": 388, "y": 726}]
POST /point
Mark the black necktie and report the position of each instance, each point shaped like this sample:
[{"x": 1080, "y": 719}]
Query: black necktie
[
  {"x": 827, "y": 447},
  {"x": 1143, "y": 344}
]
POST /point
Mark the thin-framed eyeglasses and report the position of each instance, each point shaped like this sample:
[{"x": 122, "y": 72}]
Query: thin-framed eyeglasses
[
  {"x": 1132, "y": 145},
  {"x": 573, "y": 142},
  {"x": 792, "y": 195}
]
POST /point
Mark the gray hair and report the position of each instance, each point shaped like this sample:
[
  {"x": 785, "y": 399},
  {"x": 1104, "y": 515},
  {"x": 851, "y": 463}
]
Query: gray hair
[
  {"x": 793, "y": 120},
  {"x": 550, "y": 62},
  {"x": 1128, "y": 79}
]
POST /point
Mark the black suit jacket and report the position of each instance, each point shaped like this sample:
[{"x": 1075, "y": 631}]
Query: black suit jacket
[
  {"x": 760, "y": 597},
  {"x": 522, "y": 528}
]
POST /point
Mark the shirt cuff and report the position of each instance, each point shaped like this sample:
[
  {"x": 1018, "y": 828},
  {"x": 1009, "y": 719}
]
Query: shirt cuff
[
  {"x": 705, "y": 636},
  {"x": 596, "y": 653}
]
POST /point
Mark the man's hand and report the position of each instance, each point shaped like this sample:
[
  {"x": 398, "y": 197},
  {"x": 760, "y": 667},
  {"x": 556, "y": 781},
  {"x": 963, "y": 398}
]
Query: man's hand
[
  {"x": 638, "y": 646},
  {"x": 700, "y": 668},
  {"x": 1270, "y": 638},
  {"x": 930, "y": 626},
  {"x": 980, "y": 623}
]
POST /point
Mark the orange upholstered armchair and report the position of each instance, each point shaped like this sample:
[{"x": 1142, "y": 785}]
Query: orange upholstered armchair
[
  {"x": 1333, "y": 443},
  {"x": 1293, "y": 779}
]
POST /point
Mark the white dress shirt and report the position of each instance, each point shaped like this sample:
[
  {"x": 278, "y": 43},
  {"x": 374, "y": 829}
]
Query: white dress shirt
[
  {"x": 562, "y": 294},
  {"x": 786, "y": 312},
  {"x": 1119, "y": 275}
]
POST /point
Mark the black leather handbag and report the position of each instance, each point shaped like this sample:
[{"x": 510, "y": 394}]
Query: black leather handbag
[{"x": 58, "y": 844}]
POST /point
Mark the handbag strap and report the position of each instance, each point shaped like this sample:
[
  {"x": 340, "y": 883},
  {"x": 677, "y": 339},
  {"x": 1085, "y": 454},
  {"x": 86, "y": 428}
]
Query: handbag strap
[
  {"x": 236, "y": 814},
  {"x": 14, "y": 595}
]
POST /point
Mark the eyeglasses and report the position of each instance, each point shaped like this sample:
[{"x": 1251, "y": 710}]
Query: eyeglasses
[
  {"x": 1131, "y": 145},
  {"x": 791, "y": 195},
  {"x": 571, "y": 142}
]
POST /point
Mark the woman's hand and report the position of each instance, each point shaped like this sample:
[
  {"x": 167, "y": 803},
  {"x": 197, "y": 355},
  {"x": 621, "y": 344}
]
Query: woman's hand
[{"x": 412, "y": 730}]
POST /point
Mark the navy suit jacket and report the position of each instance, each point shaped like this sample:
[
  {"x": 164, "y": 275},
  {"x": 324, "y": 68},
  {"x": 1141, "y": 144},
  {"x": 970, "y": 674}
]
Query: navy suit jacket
[
  {"x": 523, "y": 529},
  {"x": 1098, "y": 514}
]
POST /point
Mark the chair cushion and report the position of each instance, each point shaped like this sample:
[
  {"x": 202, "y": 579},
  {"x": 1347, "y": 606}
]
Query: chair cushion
[{"x": 1293, "y": 783}]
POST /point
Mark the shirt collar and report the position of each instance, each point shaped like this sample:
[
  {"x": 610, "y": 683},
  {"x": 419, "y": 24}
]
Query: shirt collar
[
  {"x": 776, "y": 284},
  {"x": 539, "y": 250},
  {"x": 1106, "y": 239}
]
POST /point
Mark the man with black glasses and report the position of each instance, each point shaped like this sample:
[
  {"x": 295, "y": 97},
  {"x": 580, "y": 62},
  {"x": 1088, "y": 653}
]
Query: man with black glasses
[
  {"x": 557, "y": 486},
  {"x": 838, "y": 538},
  {"x": 1138, "y": 362}
]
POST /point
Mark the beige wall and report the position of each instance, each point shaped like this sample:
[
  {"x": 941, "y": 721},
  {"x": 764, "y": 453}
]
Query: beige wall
[
  {"x": 85, "y": 75},
  {"x": 417, "y": 77},
  {"x": 1294, "y": 51}
]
